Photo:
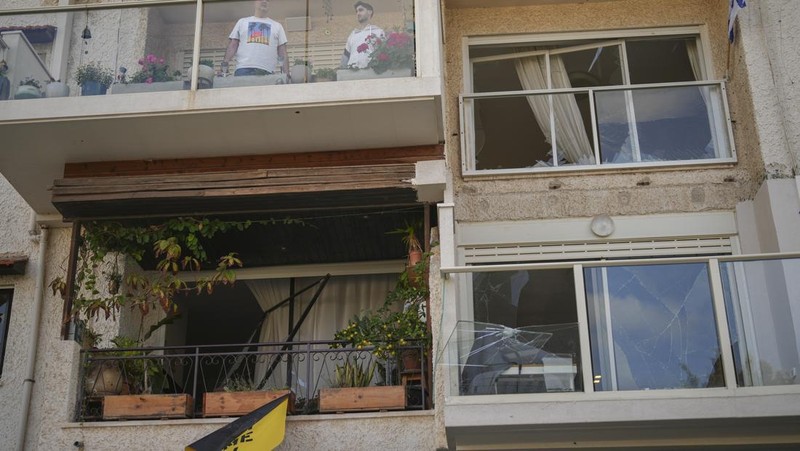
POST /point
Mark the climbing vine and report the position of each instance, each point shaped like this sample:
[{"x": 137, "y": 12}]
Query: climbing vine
[{"x": 175, "y": 245}]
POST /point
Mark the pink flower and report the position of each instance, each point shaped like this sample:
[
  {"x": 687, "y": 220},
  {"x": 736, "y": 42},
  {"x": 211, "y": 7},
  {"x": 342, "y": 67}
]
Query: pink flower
[
  {"x": 383, "y": 56},
  {"x": 161, "y": 61},
  {"x": 149, "y": 80},
  {"x": 141, "y": 61},
  {"x": 151, "y": 58},
  {"x": 362, "y": 48}
]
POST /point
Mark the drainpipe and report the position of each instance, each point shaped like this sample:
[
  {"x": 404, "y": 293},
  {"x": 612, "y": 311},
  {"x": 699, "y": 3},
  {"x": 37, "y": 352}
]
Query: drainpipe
[{"x": 33, "y": 342}]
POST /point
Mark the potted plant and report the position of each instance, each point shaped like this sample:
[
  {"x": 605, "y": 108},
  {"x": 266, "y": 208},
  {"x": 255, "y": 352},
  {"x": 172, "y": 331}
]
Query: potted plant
[
  {"x": 153, "y": 69},
  {"x": 351, "y": 391},
  {"x": 240, "y": 396},
  {"x": 414, "y": 247},
  {"x": 301, "y": 71},
  {"x": 325, "y": 74},
  {"x": 143, "y": 379},
  {"x": 205, "y": 73},
  {"x": 29, "y": 88},
  {"x": 93, "y": 79},
  {"x": 56, "y": 89}
]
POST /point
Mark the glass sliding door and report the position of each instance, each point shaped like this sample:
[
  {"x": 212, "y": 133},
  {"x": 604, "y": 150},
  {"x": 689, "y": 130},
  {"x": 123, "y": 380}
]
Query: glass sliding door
[{"x": 652, "y": 327}]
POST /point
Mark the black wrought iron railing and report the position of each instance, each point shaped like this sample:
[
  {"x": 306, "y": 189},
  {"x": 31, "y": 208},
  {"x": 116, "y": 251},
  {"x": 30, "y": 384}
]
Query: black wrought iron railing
[{"x": 194, "y": 375}]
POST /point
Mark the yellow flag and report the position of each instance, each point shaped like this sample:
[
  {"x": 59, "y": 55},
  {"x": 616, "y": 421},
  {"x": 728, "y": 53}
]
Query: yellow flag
[{"x": 262, "y": 429}]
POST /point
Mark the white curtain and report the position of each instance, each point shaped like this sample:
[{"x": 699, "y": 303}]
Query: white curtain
[
  {"x": 711, "y": 107},
  {"x": 343, "y": 298},
  {"x": 571, "y": 140}
]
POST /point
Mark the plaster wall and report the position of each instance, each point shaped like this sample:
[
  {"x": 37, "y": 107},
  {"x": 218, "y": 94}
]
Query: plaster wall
[
  {"x": 386, "y": 431},
  {"x": 620, "y": 192},
  {"x": 56, "y": 359},
  {"x": 770, "y": 35}
]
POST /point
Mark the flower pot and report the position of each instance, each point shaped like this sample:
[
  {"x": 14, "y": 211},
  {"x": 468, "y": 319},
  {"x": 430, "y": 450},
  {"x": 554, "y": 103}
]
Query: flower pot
[
  {"x": 300, "y": 73},
  {"x": 129, "y": 407},
  {"x": 28, "y": 92},
  {"x": 361, "y": 399},
  {"x": 93, "y": 88},
  {"x": 105, "y": 378},
  {"x": 410, "y": 359},
  {"x": 205, "y": 76},
  {"x": 232, "y": 404},
  {"x": 56, "y": 89}
]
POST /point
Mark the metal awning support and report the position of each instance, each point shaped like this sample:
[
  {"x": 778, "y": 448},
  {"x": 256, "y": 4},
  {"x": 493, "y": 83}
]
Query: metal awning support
[{"x": 277, "y": 359}]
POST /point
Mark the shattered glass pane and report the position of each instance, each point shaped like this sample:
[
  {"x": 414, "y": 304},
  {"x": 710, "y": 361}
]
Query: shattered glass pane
[{"x": 652, "y": 327}]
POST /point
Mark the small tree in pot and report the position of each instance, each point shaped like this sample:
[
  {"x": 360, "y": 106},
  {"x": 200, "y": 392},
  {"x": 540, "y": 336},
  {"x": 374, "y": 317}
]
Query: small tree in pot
[{"x": 94, "y": 79}]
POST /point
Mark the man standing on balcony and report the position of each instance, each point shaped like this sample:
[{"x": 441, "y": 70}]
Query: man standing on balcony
[
  {"x": 258, "y": 43},
  {"x": 360, "y": 42}
]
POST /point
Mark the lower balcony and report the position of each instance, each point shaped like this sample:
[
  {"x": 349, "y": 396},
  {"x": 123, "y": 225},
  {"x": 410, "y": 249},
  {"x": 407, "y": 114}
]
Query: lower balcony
[
  {"x": 233, "y": 380},
  {"x": 628, "y": 353}
]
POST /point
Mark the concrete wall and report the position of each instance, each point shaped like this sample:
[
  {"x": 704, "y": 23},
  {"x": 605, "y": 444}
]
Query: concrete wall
[{"x": 620, "y": 192}]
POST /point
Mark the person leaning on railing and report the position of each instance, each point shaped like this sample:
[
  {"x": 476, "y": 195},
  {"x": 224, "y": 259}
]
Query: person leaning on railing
[{"x": 258, "y": 43}]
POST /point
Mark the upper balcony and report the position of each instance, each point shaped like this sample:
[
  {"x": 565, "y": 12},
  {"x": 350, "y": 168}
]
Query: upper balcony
[{"x": 159, "y": 102}]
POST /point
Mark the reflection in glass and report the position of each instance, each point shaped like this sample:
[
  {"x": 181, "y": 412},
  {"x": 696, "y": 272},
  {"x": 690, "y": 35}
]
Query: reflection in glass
[
  {"x": 763, "y": 303},
  {"x": 525, "y": 335},
  {"x": 676, "y": 123},
  {"x": 516, "y": 132},
  {"x": 652, "y": 327}
]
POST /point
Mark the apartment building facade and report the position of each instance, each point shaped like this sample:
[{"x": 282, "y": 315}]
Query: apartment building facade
[{"x": 613, "y": 186}]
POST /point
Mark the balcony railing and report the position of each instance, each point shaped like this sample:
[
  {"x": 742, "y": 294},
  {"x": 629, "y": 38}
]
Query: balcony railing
[
  {"x": 303, "y": 368},
  {"x": 585, "y": 128},
  {"x": 134, "y": 47},
  {"x": 639, "y": 325}
]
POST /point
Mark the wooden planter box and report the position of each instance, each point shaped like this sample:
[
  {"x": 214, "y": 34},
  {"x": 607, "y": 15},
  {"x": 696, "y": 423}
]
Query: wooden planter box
[
  {"x": 231, "y": 404},
  {"x": 362, "y": 399},
  {"x": 128, "y": 407}
]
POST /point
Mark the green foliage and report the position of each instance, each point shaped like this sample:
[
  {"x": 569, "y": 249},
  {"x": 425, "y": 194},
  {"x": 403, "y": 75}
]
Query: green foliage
[
  {"x": 398, "y": 322},
  {"x": 302, "y": 62},
  {"x": 326, "y": 73},
  {"x": 177, "y": 245},
  {"x": 207, "y": 62},
  {"x": 408, "y": 234},
  {"x": 154, "y": 69},
  {"x": 394, "y": 51},
  {"x": 141, "y": 375},
  {"x": 352, "y": 374},
  {"x": 28, "y": 81},
  {"x": 94, "y": 72}
]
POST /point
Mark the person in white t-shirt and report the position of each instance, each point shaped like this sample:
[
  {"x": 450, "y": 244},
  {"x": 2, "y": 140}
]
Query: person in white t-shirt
[
  {"x": 357, "y": 50},
  {"x": 258, "y": 43}
]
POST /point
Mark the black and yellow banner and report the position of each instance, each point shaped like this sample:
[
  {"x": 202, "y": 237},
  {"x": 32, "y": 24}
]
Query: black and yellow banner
[{"x": 262, "y": 429}]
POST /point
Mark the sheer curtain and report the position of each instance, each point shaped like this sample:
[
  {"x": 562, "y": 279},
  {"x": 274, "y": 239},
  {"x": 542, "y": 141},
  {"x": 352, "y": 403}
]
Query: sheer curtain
[
  {"x": 571, "y": 140},
  {"x": 343, "y": 298},
  {"x": 711, "y": 107}
]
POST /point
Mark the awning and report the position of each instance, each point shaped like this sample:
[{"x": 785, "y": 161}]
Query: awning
[{"x": 260, "y": 190}]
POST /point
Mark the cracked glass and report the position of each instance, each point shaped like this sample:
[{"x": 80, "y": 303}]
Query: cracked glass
[{"x": 652, "y": 327}]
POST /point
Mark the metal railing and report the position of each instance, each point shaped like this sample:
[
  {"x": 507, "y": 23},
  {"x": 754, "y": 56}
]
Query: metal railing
[
  {"x": 651, "y": 124},
  {"x": 300, "y": 367}
]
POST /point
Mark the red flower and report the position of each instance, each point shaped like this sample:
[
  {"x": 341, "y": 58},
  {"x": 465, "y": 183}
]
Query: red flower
[
  {"x": 362, "y": 48},
  {"x": 383, "y": 56},
  {"x": 398, "y": 40}
]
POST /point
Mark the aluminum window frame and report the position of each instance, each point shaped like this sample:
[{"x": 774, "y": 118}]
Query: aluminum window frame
[{"x": 605, "y": 38}]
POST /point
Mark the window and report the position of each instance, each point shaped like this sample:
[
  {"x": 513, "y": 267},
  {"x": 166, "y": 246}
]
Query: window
[
  {"x": 5, "y": 312},
  {"x": 642, "y": 100}
]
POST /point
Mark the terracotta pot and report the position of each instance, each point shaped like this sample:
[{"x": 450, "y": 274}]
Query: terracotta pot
[{"x": 411, "y": 360}]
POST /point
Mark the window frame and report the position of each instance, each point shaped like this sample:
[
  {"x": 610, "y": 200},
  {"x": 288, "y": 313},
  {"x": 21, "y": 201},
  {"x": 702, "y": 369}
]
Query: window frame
[
  {"x": 5, "y": 325},
  {"x": 603, "y": 38}
]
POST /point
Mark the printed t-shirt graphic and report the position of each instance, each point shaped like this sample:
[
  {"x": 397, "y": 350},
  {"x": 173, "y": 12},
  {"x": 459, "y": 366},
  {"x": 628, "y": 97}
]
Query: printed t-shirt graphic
[{"x": 258, "y": 33}]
